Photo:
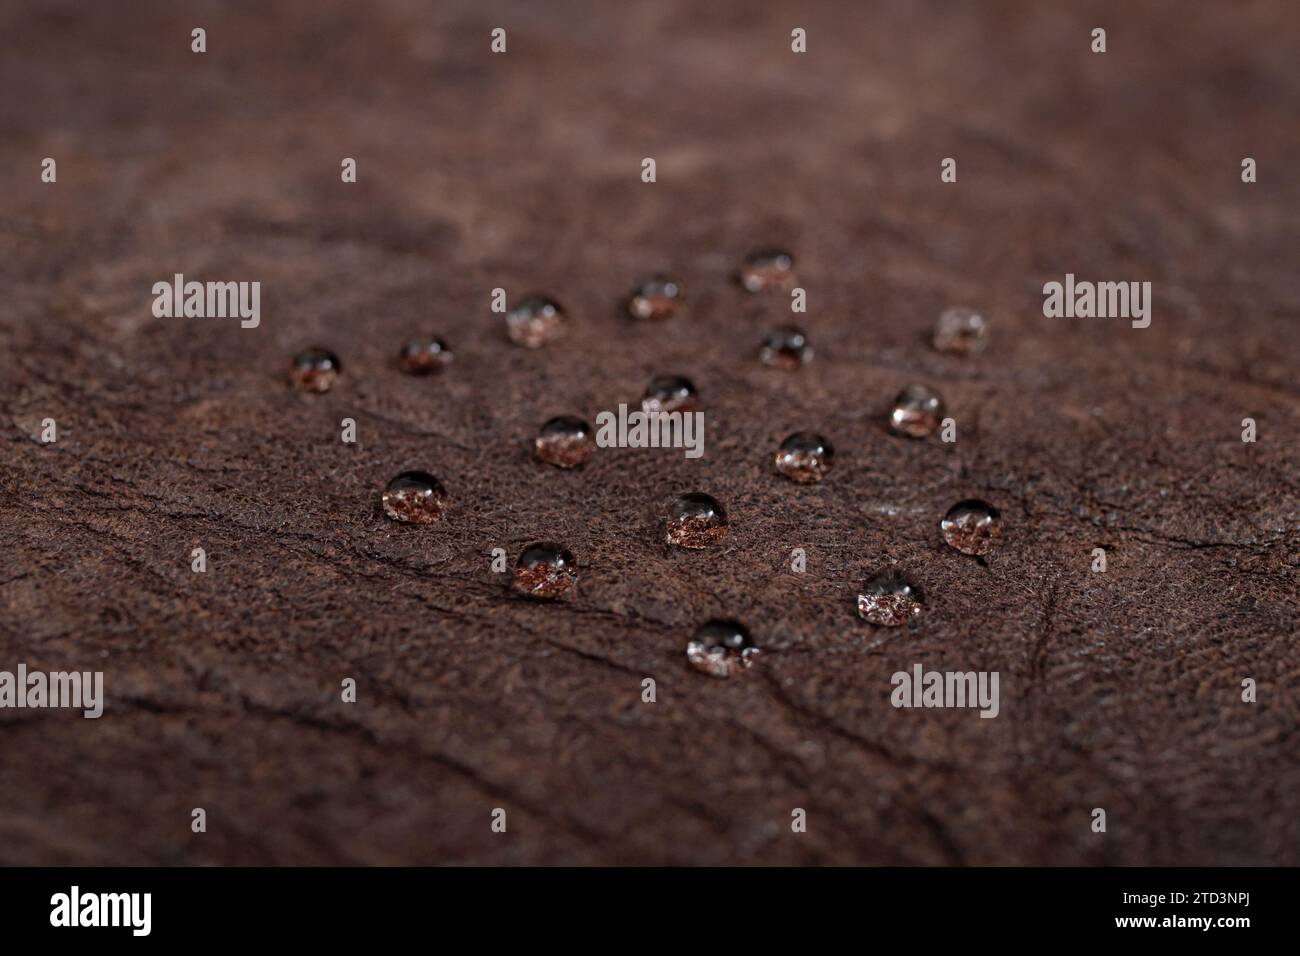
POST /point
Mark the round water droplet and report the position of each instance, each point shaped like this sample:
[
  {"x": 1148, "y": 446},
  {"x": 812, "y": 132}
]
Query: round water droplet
[
  {"x": 670, "y": 393},
  {"x": 425, "y": 354},
  {"x": 656, "y": 298},
  {"x": 721, "y": 648},
  {"x": 805, "y": 457},
  {"x": 416, "y": 497},
  {"x": 695, "y": 521},
  {"x": 545, "y": 571},
  {"x": 786, "y": 347},
  {"x": 889, "y": 599},
  {"x": 916, "y": 412},
  {"x": 960, "y": 331},
  {"x": 972, "y": 527},
  {"x": 535, "y": 321},
  {"x": 315, "y": 369},
  {"x": 766, "y": 269},
  {"x": 565, "y": 441}
]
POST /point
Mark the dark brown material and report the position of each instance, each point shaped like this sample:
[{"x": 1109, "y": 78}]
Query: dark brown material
[{"x": 1120, "y": 690}]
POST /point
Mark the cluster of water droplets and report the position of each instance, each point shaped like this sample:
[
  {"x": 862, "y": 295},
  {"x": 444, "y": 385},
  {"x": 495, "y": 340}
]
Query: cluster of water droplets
[{"x": 546, "y": 570}]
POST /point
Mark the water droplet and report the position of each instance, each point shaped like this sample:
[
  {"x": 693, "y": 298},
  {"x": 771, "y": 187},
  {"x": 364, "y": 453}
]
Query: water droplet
[
  {"x": 544, "y": 571},
  {"x": 916, "y": 412},
  {"x": 805, "y": 457},
  {"x": 656, "y": 298},
  {"x": 670, "y": 393},
  {"x": 960, "y": 331},
  {"x": 315, "y": 369},
  {"x": 535, "y": 321},
  {"x": 721, "y": 648},
  {"x": 972, "y": 527},
  {"x": 695, "y": 521},
  {"x": 889, "y": 599},
  {"x": 416, "y": 497},
  {"x": 767, "y": 269},
  {"x": 565, "y": 441},
  {"x": 786, "y": 347},
  {"x": 423, "y": 355}
]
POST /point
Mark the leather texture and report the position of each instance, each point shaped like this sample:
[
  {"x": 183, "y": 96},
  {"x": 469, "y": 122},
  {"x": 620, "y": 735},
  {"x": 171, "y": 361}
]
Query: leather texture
[{"x": 1119, "y": 690}]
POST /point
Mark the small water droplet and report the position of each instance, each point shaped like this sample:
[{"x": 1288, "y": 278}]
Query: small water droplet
[
  {"x": 315, "y": 369},
  {"x": 767, "y": 269},
  {"x": 960, "y": 331},
  {"x": 721, "y": 648},
  {"x": 425, "y": 354},
  {"x": 805, "y": 457},
  {"x": 416, "y": 497},
  {"x": 565, "y": 441},
  {"x": 535, "y": 321},
  {"x": 889, "y": 599},
  {"x": 786, "y": 347},
  {"x": 545, "y": 570},
  {"x": 656, "y": 298},
  {"x": 670, "y": 393},
  {"x": 972, "y": 526},
  {"x": 695, "y": 521},
  {"x": 916, "y": 412}
]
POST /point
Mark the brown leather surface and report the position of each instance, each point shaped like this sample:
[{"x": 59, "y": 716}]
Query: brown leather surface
[{"x": 1119, "y": 690}]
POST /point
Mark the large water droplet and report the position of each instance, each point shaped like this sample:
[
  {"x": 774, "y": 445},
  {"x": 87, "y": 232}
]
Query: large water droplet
[
  {"x": 695, "y": 521},
  {"x": 656, "y": 298},
  {"x": 972, "y": 527},
  {"x": 544, "y": 571},
  {"x": 565, "y": 441},
  {"x": 416, "y": 497},
  {"x": 805, "y": 457},
  {"x": 917, "y": 411},
  {"x": 315, "y": 369},
  {"x": 425, "y": 354},
  {"x": 670, "y": 393},
  {"x": 960, "y": 331},
  {"x": 786, "y": 347},
  {"x": 889, "y": 599},
  {"x": 766, "y": 269},
  {"x": 535, "y": 321},
  {"x": 721, "y": 648}
]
